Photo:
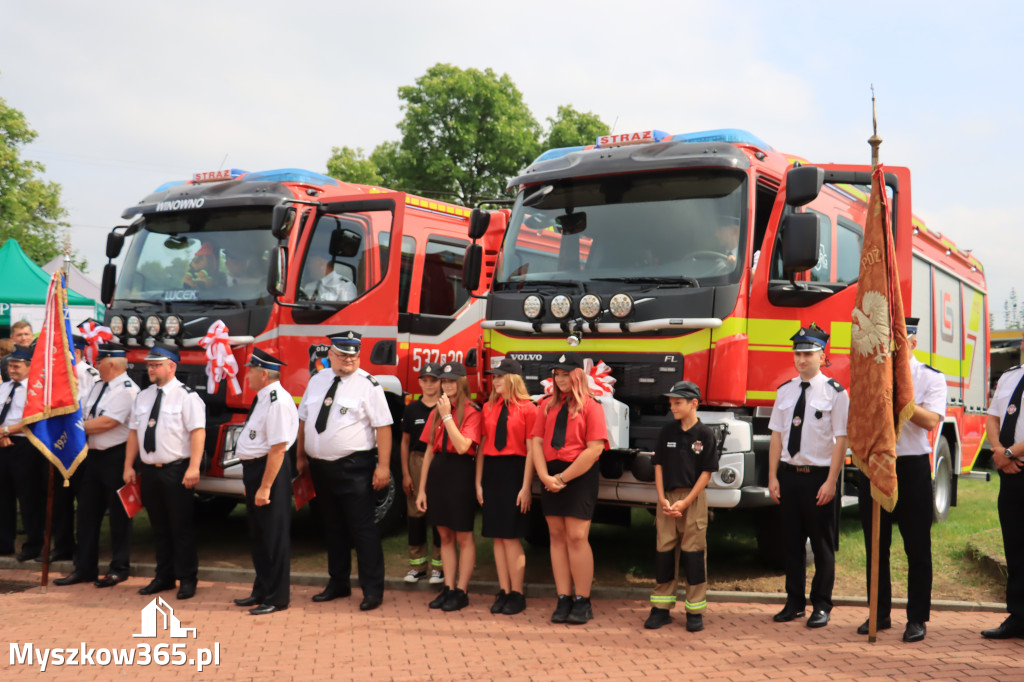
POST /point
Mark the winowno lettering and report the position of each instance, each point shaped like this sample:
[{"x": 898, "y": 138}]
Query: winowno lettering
[{"x": 181, "y": 204}]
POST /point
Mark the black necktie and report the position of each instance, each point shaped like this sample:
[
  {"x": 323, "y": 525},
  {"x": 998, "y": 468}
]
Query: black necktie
[
  {"x": 501, "y": 432},
  {"x": 798, "y": 421},
  {"x": 325, "y": 409},
  {"x": 561, "y": 424},
  {"x": 92, "y": 412},
  {"x": 252, "y": 408},
  {"x": 10, "y": 401},
  {"x": 149, "y": 441},
  {"x": 444, "y": 435},
  {"x": 1007, "y": 432}
]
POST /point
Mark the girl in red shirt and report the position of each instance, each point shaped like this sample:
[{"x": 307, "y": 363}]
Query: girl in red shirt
[
  {"x": 569, "y": 436},
  {"x": 503, "y": 480},
  {"x": 448, "y": 480}
]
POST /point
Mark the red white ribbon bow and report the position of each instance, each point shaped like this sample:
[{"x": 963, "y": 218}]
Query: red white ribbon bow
[
  {"x": 220, "y": 361},
  {"x": 599, "y": 379},
  {"x": 94, "y": 334}
]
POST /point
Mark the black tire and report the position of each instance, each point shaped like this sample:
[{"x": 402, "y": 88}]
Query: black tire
[
  {"x": 942, "y": 482},
  {"x": 214, "y": 507}
]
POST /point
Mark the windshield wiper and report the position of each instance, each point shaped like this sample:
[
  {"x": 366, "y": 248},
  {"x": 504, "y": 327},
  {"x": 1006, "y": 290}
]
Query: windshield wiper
[
  {"x": 526, "y": 284},
  {"x": 675, "y": 279},
  {"x": 220, "y": 301}
]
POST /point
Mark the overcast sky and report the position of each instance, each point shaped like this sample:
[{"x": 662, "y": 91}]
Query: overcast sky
[{"x": 126, "y": 96}]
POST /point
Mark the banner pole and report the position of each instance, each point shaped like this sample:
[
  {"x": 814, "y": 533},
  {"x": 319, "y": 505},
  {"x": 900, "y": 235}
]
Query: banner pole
[
  {"x": 876, "y": 513},
  {"x": 49, "y": 527}
]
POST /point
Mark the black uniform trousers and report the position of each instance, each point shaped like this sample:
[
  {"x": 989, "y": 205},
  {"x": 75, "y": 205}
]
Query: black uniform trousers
[
  {"x": 269, "y": 531},
  {"x": 344, "y": 489},
  {"x": 22, "y": 478},
  {"x": 1011, "y": 512},
  {"x": 171, "y": 509},
  {"x": 802, "y": 518},
  {"x": 99, "y": 478},
  {"x": 913, "y": 514},
  {"x": 62, "y": 541}
]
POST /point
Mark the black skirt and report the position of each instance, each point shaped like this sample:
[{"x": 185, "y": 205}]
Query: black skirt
[
  {"x": 579, "y": 496},
  {"x": 502, "y": 481},
  {"x": 451, "y": 491}
]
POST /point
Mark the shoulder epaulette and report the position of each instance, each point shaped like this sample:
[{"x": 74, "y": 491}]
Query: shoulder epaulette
[
  {"x": 1013, "y": 368},
  {"x": 93, "y": 371},
  {"x": 188, "y": 389},
  {"x": 783, "y": 383},
  {"x": 273, "y": 396},
  {"x": 836, "y": 385},
  {"x": 933, "y": 369},
  {"x": 369, "y": 377},
  {"x": 127, "y": 383}
]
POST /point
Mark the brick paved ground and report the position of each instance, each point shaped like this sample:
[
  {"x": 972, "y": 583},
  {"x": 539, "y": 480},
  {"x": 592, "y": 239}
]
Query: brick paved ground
[{"x": 405, "y": 640}]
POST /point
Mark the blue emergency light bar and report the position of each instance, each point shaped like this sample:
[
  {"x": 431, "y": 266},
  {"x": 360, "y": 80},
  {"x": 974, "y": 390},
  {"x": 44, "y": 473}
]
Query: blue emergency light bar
[
  {"x": 729, "y": 135},
  {"x": 279, "y": 175}
]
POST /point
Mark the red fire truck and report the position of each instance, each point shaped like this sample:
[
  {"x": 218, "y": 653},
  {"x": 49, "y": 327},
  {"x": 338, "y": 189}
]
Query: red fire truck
[
  {"x": 283, "y": 258},
  {"x": 674, "y": 257}
]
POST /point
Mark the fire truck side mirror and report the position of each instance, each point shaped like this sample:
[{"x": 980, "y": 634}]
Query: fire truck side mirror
[
  {"x": 803, "y": 184},
  {"x": 108, "y": 282},
  {"x": 344, "y": 243},
  {"x": 800, "y": 239},
  {"x": 471, "y": 267},
  {"x": 277, "y": 280},
  {"x": 115, "y": 240},
  {"x": 479, "y": 221},
  {"x": 281, "y": 220}
]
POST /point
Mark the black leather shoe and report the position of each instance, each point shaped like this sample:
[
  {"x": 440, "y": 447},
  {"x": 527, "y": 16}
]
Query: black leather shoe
[
  {"x": 187, "y": 589},
  {"x": 499, "y": 601},
  {"x": 882, "y": 624},
  {"x": 110, "y": 579},
  {"x": 73, "y": 579},
  {"x": 818, "y": 619},
  {"x": 581, "y": 611},
  {"x": 787, "y": 614},
  {"x": 332, "y": 592},
  {"x": 156, "y": 586},
  {"x": 438, "y": 601},
  {"x": 516, "y": 603},
  {"x": 455, "y": 601},
  {"x": 264, "y": 609},
  {"x": 658, "y": 618},
  {"x": 562, "y": 609},
  {"x": 370, "y": 603},
  {"x": 1009, "y": 629},
  {"x": 248, "y": 601},
  {"x": 24, "y": 556},
  {"x": 915, "y": 631},
  {"x": 694, "y": 622}
]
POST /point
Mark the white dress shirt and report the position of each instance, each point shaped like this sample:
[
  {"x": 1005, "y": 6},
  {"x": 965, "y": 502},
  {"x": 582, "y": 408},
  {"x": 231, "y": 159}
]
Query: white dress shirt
[
  {"x": 274, "y": 420},
  {"x": 1000, "y": 402},
  {"x": 116, "y": 402},
  {"x": 929, "y": 393},
  {"x": 17, "y": 408},
  {"x": 181, "y": 412},
  {"x": 357, "y": 410},
  {"x": 88, "y": 376},
  {"x": 824, "y": 419}
]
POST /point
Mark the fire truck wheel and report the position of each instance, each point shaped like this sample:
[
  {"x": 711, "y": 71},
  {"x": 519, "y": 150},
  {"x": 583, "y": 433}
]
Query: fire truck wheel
[
  {"x": 214, "y": 507},
  {"x": 942, "y": 482}
]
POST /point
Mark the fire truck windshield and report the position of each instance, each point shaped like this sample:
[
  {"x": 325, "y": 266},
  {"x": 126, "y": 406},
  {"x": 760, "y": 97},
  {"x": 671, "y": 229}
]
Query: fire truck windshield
[
  {"x": 689, "y": 226},
  {"x": 199, "y": 256}
]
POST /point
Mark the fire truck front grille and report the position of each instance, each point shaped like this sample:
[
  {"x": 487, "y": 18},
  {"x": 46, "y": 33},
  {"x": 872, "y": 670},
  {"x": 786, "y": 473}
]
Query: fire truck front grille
[{"x": 638, "y": 376}]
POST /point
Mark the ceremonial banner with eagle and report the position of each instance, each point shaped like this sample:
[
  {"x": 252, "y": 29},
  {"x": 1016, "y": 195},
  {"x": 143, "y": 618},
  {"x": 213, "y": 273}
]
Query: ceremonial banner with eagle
[{"x": 881, "y": 388}]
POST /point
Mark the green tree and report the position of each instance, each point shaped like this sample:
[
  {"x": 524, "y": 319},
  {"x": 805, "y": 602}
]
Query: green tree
[
  {"x": 464, "y": 133},
  {"x": 349, "y": 165},
  {"x": 571, "y": 128},
  {"x": 30, "y": 209}
]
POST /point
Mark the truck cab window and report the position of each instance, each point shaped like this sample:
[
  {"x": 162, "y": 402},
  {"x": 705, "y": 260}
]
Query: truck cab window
[
  {"x": 441, "y": 293},
  {"x": 329, "y": 277}
]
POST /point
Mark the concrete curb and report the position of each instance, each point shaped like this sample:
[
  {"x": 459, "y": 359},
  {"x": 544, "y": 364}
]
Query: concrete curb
[{"x": 534, "y": 590}]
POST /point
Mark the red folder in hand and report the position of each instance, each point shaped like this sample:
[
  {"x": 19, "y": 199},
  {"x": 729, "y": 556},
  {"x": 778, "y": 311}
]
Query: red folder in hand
[
  {"x": 131, "y": 498},
  {"x": 302, "y": 489}
]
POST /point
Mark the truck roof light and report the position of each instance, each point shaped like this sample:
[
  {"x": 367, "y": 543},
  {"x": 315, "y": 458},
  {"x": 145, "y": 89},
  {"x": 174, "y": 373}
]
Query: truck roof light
[
  {"x": 730, "y": 135},
  {"x": 637, "y": 137},
  {"x": 217, "y": 175},
  {"x": 292, "y": 175}
]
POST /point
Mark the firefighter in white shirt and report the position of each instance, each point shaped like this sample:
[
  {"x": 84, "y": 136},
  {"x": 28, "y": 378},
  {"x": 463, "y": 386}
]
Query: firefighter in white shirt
[
  {"x": 345, "y": 442},
  {"x": 269, "y": 430},
  {"x": 168, "y": 430},
  {"x": 107, "y": 409},
  {"x": 805, "y": 460},
  {"x": 22, "y": 468}
]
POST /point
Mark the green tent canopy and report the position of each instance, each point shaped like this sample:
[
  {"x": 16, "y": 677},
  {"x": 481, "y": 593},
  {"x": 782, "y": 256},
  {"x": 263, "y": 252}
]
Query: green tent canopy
[{"x": 24, "y": 282}]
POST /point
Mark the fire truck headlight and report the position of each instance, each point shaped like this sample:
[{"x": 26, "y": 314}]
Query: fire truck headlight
[
  {"x": 621, "y": 305},
  {"x": 590, "y": 306},
  {"x": 117, "y": 325},
  {"x": 153, "y": 325},
  {"x": 134, "y": 325},
  {"x": 172, "y": 325},
  {"x": 728, "y": 475},
  {"x": 533, "y": 306},
  {"x": 560, "y": 306}
]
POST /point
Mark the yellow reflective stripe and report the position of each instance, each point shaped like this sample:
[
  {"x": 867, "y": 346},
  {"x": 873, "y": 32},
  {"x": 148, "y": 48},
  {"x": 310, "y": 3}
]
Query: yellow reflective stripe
[
  {"x": 662, "y": 600},
  {"x": 730, "y": 327},
  {"x": 772, "y": 334},
  {"x": 760, "y": 395},
  {"x": 403, "y": 345},
  {"x": 696, "y": 606},
  {"x": 840, "y": 337},
  {"x": 948, "y": 366},
  {"x": 418, "y": 562}
]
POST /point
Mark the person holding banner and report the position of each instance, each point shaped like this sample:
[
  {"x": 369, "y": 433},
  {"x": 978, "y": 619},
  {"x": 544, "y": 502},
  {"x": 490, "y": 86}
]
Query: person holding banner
[
  {"x": 168, "y": 431},
  {"x": 805, "y": 460},
  {"x": 22, "y": 469},
  {"x": 913, "y": 510},
  {"x": 269, "y": 430},
  {"x": 107, "y": 408},
  {"x": 1005, "y": 431}
]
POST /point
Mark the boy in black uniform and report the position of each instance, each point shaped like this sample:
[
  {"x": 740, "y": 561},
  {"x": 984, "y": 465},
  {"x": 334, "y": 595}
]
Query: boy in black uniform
[{"x": 684, "y": 459}]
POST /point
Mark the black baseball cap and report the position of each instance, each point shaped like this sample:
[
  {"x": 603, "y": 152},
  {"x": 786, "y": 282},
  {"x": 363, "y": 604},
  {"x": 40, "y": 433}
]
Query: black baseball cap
[
  {"x": 506, "y": 366},
  {"x": 684, "y": 389}
]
